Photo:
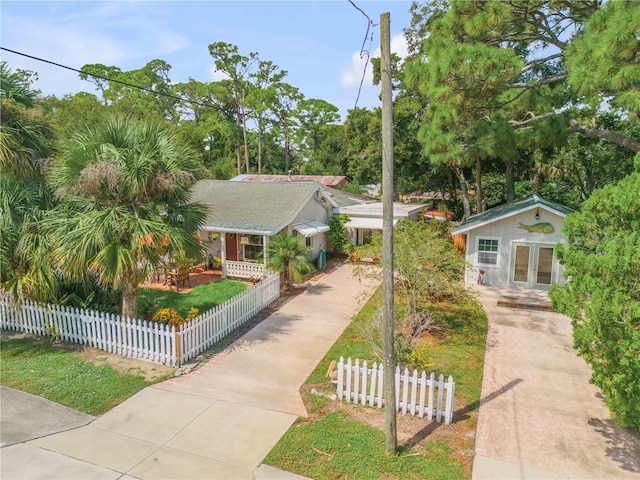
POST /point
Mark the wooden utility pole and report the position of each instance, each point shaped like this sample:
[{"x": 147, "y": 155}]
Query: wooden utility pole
[{"x": 387, "y": 236}]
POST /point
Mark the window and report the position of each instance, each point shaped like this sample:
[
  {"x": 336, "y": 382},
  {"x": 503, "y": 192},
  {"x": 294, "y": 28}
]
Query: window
[
  {"x": 252, "y": 248},
  {"x": 309, "y": 241},
  {"x": 488, "y": 251}
]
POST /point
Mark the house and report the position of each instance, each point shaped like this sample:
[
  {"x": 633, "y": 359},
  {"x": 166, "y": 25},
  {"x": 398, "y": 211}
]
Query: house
[
  {"x": 514, "y": 244},
  {"x": 242, "y": 216},
  {"x": 366, "y": 218}
]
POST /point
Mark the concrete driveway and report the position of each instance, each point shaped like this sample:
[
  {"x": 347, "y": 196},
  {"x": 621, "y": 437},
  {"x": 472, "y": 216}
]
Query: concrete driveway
[
  {"x": 219, "y": 421},
  {"x": 539, "y": 415}
]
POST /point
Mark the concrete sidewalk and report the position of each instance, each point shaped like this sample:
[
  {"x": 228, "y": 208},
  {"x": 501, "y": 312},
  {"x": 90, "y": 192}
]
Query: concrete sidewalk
[
  {"x": 219, "y": 421},
  {"x": 539, "y": 417}
]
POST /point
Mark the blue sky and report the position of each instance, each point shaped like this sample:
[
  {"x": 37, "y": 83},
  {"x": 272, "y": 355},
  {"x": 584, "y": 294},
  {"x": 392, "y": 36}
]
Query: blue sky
[{"x": 317, "y": 42}]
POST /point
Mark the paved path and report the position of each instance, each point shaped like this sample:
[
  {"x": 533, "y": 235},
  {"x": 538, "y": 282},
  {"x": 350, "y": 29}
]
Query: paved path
[
  {"x": 539, "y": 415},
  {"x": 221, "y": 420}
]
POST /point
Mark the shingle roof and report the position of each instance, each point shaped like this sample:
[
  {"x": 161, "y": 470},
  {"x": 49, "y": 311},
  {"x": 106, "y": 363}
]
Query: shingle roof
[
  {"x": 341, "y": 198},
  {"x": 508, "y": 210},
  {"x": 252, "y": 207}
]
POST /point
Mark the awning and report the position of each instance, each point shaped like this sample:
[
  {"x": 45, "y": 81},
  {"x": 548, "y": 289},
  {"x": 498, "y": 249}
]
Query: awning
[
  {"x": 309, "y": 229},
  {"x": 366, "y": 223}
]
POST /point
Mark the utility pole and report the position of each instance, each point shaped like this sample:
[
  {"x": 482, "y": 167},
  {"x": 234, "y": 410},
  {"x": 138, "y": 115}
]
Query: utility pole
[{"x": 391, "y": 432}]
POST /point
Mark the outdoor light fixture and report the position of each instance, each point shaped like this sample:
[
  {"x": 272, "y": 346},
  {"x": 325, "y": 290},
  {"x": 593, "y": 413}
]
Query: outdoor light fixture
[{"x": 537, "y": 214}]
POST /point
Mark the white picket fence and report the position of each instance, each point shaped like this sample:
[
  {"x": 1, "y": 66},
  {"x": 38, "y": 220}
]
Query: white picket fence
[
  {"x": 138, "y": 338},
  {"x": 210, "y": 327},
  {"x": 357, "y": 383}
]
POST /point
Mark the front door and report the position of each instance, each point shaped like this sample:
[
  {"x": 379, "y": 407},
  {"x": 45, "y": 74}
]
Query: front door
[
  {"x": 232, "y": 247},
  {"x": 532, "y": 265}
]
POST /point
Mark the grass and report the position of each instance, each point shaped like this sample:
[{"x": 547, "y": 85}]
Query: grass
[
  {"x": 203, "y": 297},
  {"x": 331, "y": 445},
  {"x": 35, "y": 366},
  {"x": 337, "y": 447}
]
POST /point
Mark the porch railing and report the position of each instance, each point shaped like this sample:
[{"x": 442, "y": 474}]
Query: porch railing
[{"x": 244, "y": 269}]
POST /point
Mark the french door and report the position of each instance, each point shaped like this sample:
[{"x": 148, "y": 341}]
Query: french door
[{"x": 532, "y": 265}]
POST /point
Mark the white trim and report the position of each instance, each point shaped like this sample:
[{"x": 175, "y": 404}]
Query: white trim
[
  {"x": 498, "y": 252},
  {"x": 310, "y": 228},
  {"x": 366, "y": 223},
  {"x": 458, "y": 230}
]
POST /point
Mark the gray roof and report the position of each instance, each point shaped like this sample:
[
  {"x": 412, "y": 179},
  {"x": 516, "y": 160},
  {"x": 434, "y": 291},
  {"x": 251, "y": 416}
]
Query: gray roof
[
  {"x": 252, "y": 207},
  {"x": 509, "y": 209},
  {"x": 341, "y": 198}
]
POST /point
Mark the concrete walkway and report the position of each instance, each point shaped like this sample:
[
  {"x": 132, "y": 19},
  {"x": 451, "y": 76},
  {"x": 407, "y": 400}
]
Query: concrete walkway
[
  {"x": 219, "y": 421},
  {"x": 539, "y": 415}
]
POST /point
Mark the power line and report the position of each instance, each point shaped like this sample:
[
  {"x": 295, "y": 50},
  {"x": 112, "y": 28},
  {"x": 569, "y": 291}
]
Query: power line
[
  {"x": 364, "y": 52},
  {"x": 175, "y": 97}
]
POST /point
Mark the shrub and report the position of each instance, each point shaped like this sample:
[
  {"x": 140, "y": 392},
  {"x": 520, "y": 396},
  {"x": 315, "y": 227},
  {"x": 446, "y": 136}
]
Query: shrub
[
  {"x": 337, "y": 232},
  {"x": 169, "y": 316},
  {"x": 602, "y": 260}
]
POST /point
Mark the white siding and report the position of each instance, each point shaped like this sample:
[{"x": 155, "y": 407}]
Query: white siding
[{"x": 508, "y": 232}]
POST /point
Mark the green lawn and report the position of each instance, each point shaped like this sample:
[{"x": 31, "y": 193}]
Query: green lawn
[
  {"x": 332, "y": 445},
  {"x": 35, "y": 366},
  {"x": 203, "y": 297},
  {"x": 335, "y": 446}
]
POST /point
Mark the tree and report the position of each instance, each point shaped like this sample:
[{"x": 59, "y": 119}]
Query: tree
[
  {"x": 430, "y": 273},
  {"x": 123, "y": 190},
  {"x": 262, "y": 99},
  {"x": 237, "y": 68},
  {"x": 314, "y": 117},
  {"x": 288, "y": 257},
  {"x": 602, "y": 296},
  {"x": 120, "y": 88},
  {"x": 26, "y": 139},
  {"x": 531, "y": 55},
  {"x": 363, "y": 145},
  {"x": 287, "y": 98}
]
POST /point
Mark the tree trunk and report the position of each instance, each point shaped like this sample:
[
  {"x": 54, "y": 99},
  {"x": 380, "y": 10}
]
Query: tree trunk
[
  {"x": 478, "y": 184},
  {"x": 511, "y": 195},
  {"x": 130, "y": 295},
  {"x": 238, "y": 151},
  {"x": 259, "y": 151},
  {"x": 238, "y": 158},
  {"x": 465, "y": 190},
  {"x": 246, "y": 143}
]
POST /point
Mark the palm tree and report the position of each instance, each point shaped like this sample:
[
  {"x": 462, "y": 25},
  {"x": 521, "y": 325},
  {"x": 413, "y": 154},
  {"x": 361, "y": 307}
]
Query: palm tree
[
  {"x": 288, "y": 256},
  {"x": 25, "y": 139},
  {"x": 124, "y": 201}
]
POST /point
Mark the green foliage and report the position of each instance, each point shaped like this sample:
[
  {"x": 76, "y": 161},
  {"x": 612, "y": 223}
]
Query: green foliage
[
  {"x": 123, "y": 190},
  {"x": 428, "y": 267},
  {"x": 345, "y": 448},
  {"x": 602, "y": 261},
  {"x": 421, "y": 358},
  {"x": 34, "y": 366},
  {"x": 337, "y": 233},
  {"x": 605, "y": 59},
  {"x": 288, "y": 256}
]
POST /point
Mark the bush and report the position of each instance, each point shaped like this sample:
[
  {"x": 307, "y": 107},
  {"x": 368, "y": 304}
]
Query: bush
[
  {"x": 602, "y": 260},
  {"x": 169, "y": 316},
  {"x": 337, "y": 232}
]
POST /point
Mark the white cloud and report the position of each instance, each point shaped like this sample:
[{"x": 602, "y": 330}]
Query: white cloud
[
  {"x": 352, "y": 74},
  {"x": 110, "y": 33},
  {"x": 217, "y": 75}
]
